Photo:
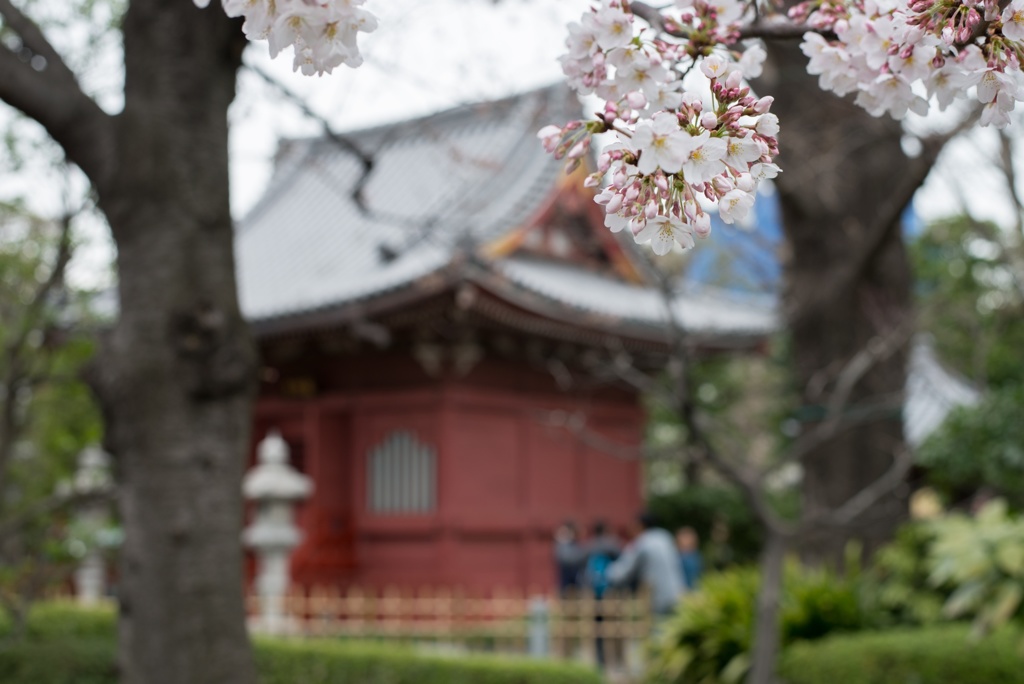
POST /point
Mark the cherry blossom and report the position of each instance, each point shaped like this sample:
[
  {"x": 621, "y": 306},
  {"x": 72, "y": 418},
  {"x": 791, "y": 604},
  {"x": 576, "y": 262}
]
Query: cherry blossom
[
  {"x": 680, "y": 145},
  {"x": 322, "y": 33},
  {"x": 690, "y": 137}
]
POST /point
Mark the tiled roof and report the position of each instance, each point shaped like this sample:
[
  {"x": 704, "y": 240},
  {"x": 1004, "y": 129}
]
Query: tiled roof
[
  {"x": 471, "y": 175},
  {"x": 932, "y": 392},
  {"x": 468, "y": 175}
]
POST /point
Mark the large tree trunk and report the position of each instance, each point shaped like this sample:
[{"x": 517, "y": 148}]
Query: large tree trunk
[
  {"x": 845, "y": 184},
  {"x": 176, "y": 374}
]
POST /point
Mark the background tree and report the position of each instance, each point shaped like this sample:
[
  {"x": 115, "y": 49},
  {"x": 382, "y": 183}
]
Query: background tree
[
  {"x": 46, "y": 412},
  {"x": 848, "y": 281},
  {"x": 175, "y": 374},
  {"x": 971, "y": 307}
]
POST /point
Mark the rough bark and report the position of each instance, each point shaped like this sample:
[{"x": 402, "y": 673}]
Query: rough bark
[
  {"x": 847, "y": 282},
  {"x": 176, "y": 372}
]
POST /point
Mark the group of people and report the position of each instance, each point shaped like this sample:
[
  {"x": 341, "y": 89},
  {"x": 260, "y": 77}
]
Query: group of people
[{"x": 667, "y": 568}]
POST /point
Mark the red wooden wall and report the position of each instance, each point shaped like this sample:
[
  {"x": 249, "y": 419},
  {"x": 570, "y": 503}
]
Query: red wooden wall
[{"x": 505, "y": 479}]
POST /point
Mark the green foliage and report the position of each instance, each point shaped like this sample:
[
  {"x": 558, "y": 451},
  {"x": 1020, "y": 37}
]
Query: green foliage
[
  {"x": 967, "y": 303},
  {"x": 47, "y": 412},
  {"x": 980, "y": 448},
  {"x": 334, "y": 662},
  {"x": 936, "y": 655},
  {"x": 59, "y": 661},
  {"x": 895, "y": 590},
  {"x": 68, "y": 645},
  {"x": 708, "y": 639},
  {"x": 983, "y": 557},
  {"x": 728, "y": 529}
]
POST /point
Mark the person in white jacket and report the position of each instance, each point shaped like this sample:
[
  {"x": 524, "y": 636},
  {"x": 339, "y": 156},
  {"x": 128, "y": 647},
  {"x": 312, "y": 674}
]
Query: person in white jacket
[{"x": 652, "y": 559}]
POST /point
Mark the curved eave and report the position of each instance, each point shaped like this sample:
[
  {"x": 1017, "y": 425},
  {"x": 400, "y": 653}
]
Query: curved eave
[{"x": 507, "y": 304}]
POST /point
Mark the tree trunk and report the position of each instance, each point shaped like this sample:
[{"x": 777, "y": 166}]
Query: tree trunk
[
  {"x": 176, "y": 374},
  {"x": 769, "y": 599},
  {"x": 845, "y": 185}
]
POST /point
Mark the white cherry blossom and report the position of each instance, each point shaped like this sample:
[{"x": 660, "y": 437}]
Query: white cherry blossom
[
  {"x": 664, "y": 232},
  {"x": 703, "y": 157},
  {"x": 662, "y": 144}
]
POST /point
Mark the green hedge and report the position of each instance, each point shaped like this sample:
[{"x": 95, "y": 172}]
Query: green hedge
[
  {"x": 334, "y": 662},
  {"x": 935, "y": 655},
  {"x": 67, "y": 645}
]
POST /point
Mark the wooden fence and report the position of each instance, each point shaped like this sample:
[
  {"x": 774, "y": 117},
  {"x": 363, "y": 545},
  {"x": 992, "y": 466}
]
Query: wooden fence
[{"x": 574, "y": 627}]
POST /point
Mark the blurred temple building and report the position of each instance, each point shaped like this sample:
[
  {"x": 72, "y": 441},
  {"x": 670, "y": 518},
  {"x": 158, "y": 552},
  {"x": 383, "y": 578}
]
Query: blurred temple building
[
  {"x": 444, "y": 324},
  {"x": 440, "y": 311}
]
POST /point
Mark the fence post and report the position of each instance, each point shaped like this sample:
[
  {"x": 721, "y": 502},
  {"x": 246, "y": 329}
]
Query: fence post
[{"x": 539, "y": 632}]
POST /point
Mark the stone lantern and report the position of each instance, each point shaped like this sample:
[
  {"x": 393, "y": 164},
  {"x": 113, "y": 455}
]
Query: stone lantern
[
  {"x": 91, "y": 525},
  {"x": 274, "y": 486}
]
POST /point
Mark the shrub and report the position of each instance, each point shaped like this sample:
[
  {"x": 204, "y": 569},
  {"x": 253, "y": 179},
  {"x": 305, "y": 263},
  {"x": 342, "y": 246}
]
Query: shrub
[
  {"x": 896, "y": 591},
  {"x": 934, "y": 655},
  {"x": 69, "y": 645},
  {"x": 983, "y": 557},
  {"x": 708, "y": 639},
  {"x": 59, "y": 660},
  {"x": 334, "y": 662},
  {"x": 980, "y": 447}
]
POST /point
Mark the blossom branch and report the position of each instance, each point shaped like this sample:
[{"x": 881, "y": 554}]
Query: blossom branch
[
  {"x": 365, "y": 160},
  {"x": 758, "y": 29},
  {"x": 861, "y": 502}
]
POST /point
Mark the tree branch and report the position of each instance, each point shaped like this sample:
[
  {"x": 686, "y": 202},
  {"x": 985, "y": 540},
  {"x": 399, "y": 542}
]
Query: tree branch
[
  {"x": 37, "y": 81},
  {"x": 16, "y": 374},
  {"x": 857, "y": 505},
  {"x": 779, "y": 31},
  {"x": 343, "y": 143}
]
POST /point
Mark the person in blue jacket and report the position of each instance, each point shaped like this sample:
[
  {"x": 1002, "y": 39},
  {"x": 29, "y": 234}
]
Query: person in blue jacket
[{"x": 690, "y": 561}]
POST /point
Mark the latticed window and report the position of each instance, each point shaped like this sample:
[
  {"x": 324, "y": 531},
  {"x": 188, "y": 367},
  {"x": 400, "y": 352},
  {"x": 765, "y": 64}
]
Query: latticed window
[{"x": 401, "y": 476}]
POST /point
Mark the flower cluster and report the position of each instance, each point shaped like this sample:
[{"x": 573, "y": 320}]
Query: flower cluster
[
  {"x": 322, "y": 33},
  {"x": 683, "y": 144},
  {"x": 895, "y": 54}
]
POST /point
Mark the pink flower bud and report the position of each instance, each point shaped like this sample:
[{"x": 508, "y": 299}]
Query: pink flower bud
[
  {"x": 734, "y": 79},
  {"x": 579, "y": 149},
  {"x": 973, "y": 18},
  {"x": 632, "y": 192},
  {"x": 613, "y": 205},
  {"x": 636, "y": 100},
  {"x": 661, "y": 181},
  {"x": 636, "y": 224},
  {"x": 651, "y": 210},
  {"x": 689, "y": 210},
  {"x": 592, "y": 181},
  {"x": 702, "y": 225},
  {"x": 764, "y": 104},
  {"x": 709, "y": 121},
  {"x": 549, "y": 131}
]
